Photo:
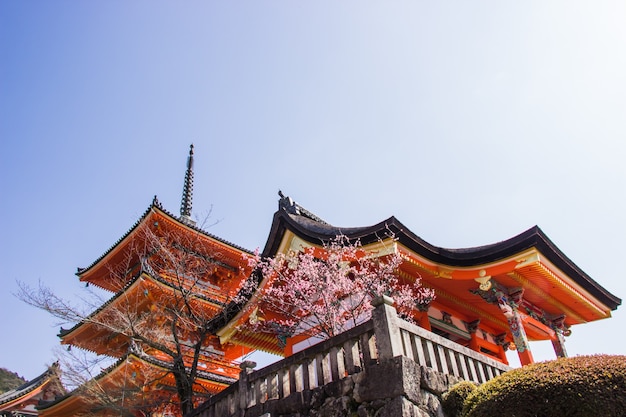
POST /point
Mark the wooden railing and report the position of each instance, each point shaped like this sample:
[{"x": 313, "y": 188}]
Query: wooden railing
[{"x": 384, "y": 336}]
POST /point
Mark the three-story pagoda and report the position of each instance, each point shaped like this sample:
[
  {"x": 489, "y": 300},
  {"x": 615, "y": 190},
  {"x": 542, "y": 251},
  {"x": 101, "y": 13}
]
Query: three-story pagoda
[{"x": 171, "y": 283}]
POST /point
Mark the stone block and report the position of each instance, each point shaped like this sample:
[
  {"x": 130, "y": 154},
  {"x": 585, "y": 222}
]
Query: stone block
[
  {"x": 376, "y": 404},
  {"x": 432, "y": 404},
  {"x": 392, "y": 378},
  {"x": 434, "y": 381},
  {"x": 401, "y": 407},
  {"x": 288, "y": 405},
  {"x": 364, "y": 411},
  {"x": 339, "y": 388},
  {"x": 337, "y": 407},
  {"x": 314, "y": 398},
  {"x": 255, "y": 410},
  {"x": 453, "y": 380}
]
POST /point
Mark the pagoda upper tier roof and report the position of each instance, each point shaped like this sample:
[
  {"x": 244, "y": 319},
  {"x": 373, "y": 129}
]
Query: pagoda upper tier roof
[
  {"x": 98, "y": 271},
  {"x": 310, "y": 228}
]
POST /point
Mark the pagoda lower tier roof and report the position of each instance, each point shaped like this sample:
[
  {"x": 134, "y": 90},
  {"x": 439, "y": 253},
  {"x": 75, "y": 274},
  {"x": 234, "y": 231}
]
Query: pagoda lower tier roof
[
  {"x": 292, "y": 218},
  {"x": 140, "y": 364},
  {"x": 145, "y": 289}
]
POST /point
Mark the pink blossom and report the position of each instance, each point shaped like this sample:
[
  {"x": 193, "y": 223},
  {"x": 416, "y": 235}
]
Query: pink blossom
[{"x": 323, "y": 293}]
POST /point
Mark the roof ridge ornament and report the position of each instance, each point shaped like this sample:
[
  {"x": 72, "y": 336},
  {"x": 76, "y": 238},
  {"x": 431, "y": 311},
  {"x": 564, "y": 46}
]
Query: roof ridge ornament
[
  {"x": 287, "y": 203},
  {"x": 186, "y": 203},
  {"x": 292, "y": 207},
  {"x": 156, "y": 202}
]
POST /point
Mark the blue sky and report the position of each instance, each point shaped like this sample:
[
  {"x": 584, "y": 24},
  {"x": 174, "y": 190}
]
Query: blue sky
[{"x": 468, "y": 121}]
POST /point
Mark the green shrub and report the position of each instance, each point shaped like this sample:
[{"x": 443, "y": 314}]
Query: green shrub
[
  {"x": 453, "y": 399},
  {"x": 575, "y": 387}
]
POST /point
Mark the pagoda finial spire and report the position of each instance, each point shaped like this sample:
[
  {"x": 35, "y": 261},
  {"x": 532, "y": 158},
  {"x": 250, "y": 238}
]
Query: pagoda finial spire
[{"x": 185, "y": 205}]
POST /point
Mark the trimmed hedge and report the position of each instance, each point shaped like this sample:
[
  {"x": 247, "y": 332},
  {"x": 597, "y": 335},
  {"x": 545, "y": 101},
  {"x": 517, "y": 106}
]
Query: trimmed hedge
[
  {"x": 453, "y": 399},
  {"x": 575, "y": 387}
]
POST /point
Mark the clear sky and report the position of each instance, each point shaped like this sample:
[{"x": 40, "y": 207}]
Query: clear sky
[{"x": 468, "y": 121}]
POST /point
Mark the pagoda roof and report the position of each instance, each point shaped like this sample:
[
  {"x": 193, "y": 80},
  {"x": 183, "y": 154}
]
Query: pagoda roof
[
  {"x": 91, "y": 319},
  {"x": 74, "y": 402},
  {"x": 156, "y": 208},
  {"x": 310, "y": 228},
  {"x": 25, "y": 392}
]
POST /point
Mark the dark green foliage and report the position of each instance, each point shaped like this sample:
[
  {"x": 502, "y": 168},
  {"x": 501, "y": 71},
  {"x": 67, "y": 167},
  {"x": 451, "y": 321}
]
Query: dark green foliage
[
  {"x": 9, "y": 380},
  {"x": 453, "y": 399},
  {"x": 574, "y": 387}
]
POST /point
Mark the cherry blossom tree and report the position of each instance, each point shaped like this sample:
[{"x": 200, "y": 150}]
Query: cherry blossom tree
[{"x": 324, "y": 292}]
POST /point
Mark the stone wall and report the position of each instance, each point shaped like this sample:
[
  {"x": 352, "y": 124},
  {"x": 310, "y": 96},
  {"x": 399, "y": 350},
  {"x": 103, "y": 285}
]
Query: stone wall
[{"x": 394, "y": 387}]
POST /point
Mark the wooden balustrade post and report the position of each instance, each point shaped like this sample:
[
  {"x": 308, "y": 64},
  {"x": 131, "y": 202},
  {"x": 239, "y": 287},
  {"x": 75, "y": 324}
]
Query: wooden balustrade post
[
  {"x": 386, "y": 328},
  {"x": 245, "y": 391}
]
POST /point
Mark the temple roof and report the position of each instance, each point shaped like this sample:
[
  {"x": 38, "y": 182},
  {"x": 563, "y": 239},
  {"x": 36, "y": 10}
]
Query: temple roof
[
  {"x": 12, "y": 398},
  {"x": 291, "y": 216}
]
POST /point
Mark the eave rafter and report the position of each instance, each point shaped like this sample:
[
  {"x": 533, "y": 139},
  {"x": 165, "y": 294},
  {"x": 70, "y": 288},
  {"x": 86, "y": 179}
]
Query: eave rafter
[
  {"x": 525, "y": 274},
  {"x": 458, "y": 273},
  {"x": 580, "y": 294},
  {"x": 529, "y": 285},
  {"x": 260, "y": 341},
  {"x": 485, "y": 316}
]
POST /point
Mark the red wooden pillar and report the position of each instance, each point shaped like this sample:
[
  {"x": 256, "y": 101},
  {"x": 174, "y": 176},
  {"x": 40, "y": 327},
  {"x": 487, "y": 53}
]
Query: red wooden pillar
[
  {"x": 423, "y": 321},
  {"x": 290, "y": 342},
  {"x": 471, "y": 329},
  {"x": 525, "y": 357},
  {"x": 288, "y": 349},
  {"x": 503, "y": 346}
]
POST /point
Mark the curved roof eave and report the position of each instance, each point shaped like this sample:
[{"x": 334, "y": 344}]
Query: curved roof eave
[
  {"x": 156, "y": 205},
  {"x": 313, "y": 231},
  {"x": 209, "y": 376}
]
